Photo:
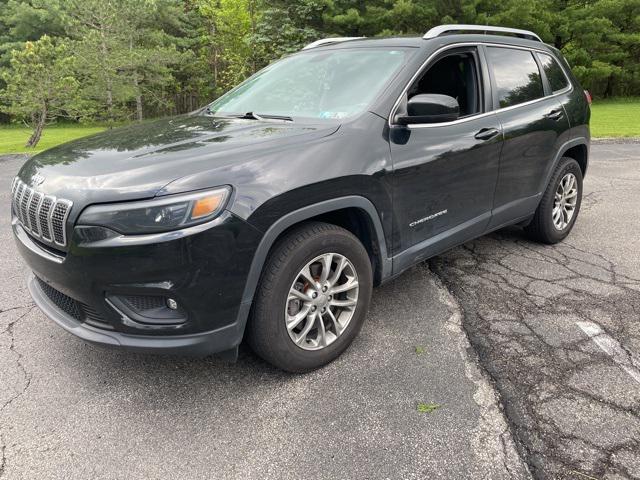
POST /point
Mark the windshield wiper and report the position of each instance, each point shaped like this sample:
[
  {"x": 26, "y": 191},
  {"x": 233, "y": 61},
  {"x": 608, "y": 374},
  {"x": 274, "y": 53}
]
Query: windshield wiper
[{"x": 260, "y": 116}]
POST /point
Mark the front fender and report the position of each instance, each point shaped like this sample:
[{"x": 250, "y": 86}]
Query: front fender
[{"x": 283, "y": 223}]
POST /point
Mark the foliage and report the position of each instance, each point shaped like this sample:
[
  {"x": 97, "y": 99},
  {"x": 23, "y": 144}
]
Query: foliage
[
  {"x": 40, "y": 85},
  {"x": 145, "y": 58},
  {"x": 430, "y": 407}
]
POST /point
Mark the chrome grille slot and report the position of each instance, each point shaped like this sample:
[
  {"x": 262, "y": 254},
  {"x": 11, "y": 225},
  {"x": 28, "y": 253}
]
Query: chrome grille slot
[
  {"x": 34, "y": 206},
  {"x": 16, "y": 196},
  {"x": 43, "y": 218},
  {"x": 41, "y": 215},
  {"x": 59, "y": 215},
  {"x": 24, "y": 205}
]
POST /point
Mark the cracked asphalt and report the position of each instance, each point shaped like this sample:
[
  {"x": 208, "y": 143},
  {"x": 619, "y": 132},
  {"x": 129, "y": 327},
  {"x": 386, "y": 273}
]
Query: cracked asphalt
[
  {"x": 558, "y": 328},
  {"x": 530, "y": 351}
]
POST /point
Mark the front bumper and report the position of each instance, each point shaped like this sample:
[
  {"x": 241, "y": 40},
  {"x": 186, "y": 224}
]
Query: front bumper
[
  {"x": 205, "y": 273},
  {"x": 199, "y": 344}
]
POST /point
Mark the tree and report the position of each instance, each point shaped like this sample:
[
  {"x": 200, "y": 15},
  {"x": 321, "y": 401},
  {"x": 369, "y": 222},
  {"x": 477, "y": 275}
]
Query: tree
[
  {"x": 39, "y": 85},
  {"x": 120, "y": 55}
]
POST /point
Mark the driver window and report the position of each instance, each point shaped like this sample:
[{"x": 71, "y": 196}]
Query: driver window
[{"x": 455, "y": 75}]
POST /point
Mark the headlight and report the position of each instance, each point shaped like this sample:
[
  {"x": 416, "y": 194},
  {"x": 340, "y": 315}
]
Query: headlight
[{"x": 161, "y": 214}]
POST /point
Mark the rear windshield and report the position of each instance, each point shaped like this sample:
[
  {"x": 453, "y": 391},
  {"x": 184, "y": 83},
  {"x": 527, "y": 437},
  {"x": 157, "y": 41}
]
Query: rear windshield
[{"x": 329, "y": 84}]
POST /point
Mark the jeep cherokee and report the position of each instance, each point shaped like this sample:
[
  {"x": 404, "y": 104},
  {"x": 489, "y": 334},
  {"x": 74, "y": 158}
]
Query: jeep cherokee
[{"x": 270, "y": 214}]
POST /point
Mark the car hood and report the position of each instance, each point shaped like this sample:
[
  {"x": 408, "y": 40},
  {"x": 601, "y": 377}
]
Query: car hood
[{"x": 138, "y": 161}]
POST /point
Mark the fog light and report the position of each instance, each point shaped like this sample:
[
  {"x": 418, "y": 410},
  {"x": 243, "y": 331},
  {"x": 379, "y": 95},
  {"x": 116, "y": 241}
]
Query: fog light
[{"x": 172, "y": 304}]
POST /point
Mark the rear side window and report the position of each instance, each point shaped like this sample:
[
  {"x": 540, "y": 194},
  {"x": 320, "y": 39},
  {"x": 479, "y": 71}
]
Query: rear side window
[
  {"x": 516, "y": 75},
  {"x": 555, "y": 75}
]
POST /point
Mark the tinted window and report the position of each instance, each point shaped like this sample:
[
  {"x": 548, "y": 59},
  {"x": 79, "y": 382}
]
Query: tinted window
[
  {"x": 516, "y": 74},
  {"x": 455, "y": 76},
  {"x": 555, "y": 75}
]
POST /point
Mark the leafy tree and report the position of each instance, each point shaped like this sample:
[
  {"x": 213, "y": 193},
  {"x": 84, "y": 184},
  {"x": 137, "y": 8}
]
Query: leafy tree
[{"x": 40, "y": 85}]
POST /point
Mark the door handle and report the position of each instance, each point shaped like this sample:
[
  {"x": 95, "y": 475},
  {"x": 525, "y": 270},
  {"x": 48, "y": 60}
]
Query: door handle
[
  {"x": 487, "y": 133},
  {"x": 554, "y": 114}
]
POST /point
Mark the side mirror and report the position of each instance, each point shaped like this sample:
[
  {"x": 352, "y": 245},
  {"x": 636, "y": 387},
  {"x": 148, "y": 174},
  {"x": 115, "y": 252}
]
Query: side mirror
[{"x": 430, "y": 108}]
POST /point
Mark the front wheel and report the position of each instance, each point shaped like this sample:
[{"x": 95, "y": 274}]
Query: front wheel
[
  {"x": 560, "y": 204},
  {"x": 312, "y": 298}
]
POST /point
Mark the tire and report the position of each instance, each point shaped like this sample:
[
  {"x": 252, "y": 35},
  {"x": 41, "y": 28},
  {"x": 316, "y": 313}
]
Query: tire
[
  {"x": 274, "y": 308},
  {"x": 546, "y": 228}
]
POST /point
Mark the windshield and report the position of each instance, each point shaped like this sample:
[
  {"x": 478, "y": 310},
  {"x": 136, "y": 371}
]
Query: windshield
[{"x": 332, "y": 84}]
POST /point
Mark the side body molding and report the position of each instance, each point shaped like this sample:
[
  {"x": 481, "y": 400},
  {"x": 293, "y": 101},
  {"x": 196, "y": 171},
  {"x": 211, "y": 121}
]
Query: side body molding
[{"x": 300, "y": 215}]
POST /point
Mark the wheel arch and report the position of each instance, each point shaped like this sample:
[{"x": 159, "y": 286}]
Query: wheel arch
[
  {"x": 578, "y": 149},
  {"x": 338, "y": 211}
]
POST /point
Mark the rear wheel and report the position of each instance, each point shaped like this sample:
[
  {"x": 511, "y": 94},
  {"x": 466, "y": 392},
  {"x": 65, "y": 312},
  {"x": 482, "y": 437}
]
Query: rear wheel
[
  {"x": 560, "y": 204},
  {"x": 312, "y": 298}
]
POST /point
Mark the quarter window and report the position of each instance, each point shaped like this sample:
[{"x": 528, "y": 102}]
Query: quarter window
[
  {"x": 555, "y": 75},
  {"x": 516, "y": 76}
]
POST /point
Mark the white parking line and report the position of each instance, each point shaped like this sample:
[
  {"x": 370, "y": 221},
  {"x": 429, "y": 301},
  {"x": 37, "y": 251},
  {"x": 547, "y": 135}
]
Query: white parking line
[{"x": 612, "y": 348}]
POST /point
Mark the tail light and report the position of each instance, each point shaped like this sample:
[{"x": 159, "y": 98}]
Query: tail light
[{"x": 588, "y": 96}]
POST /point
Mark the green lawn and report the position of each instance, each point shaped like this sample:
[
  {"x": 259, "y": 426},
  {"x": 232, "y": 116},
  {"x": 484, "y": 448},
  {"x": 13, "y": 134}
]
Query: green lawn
[
  {"x": 12, "y": 139},
  {"x": 616, "y": 118},
  {"x": 610, "y": 118}
]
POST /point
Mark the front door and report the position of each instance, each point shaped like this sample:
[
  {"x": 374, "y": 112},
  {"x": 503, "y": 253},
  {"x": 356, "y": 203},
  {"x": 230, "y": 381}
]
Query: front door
[{"x": 445, "y": 174}]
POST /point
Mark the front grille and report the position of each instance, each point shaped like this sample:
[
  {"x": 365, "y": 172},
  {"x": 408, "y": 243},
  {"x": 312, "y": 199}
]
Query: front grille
[
  {"x": 63, "y": 302},
  {"x": 78, "y": 310},
  {"x": 43, "y": 216}
]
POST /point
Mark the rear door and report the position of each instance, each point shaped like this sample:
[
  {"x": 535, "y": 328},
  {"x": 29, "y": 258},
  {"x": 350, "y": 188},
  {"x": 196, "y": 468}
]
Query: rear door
[{"x": 535, "y": 125}]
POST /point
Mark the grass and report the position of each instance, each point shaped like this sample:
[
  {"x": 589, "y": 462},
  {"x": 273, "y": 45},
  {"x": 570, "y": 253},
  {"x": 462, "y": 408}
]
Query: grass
[
  {"x": 420, "y": 350},
  {"x": 427, "y": 407},
  {"x": 13, "y": 138},
  {"x": 618, "y": 117}
]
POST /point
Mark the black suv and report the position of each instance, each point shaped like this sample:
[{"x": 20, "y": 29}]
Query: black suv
[{"x": 270, "y": 214}]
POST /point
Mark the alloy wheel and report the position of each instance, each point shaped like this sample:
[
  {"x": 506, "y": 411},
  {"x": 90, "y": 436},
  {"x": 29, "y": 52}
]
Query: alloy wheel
[
  {"x": 321, "y": 301},
  {"x": 566, "y": 199}
]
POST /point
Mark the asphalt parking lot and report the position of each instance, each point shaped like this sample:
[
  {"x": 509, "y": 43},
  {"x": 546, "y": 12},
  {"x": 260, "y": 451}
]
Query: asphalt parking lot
[{"x": 526, "y": 356}]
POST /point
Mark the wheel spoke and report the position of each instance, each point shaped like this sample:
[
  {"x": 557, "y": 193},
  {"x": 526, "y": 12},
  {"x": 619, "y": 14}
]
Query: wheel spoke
[
  {"x": 322, "y": 333},
  {"x": 298, "y": 295},
  {"x": 294, "y": 321},
  {"x": 336, "y": 326},
  {"x": 345, "y": 287},
  {"x": 342, "y": 263},
  {"x": 346, "y": 303},
  {"x": 326, "y": 261},
  {"x": 306, "y": 274},
  {"x": 302, "y": 336},
  {"x": 571, "y": 194}
]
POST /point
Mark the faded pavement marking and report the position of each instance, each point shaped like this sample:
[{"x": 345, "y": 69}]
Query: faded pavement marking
[{"x": 612, "y": 348}]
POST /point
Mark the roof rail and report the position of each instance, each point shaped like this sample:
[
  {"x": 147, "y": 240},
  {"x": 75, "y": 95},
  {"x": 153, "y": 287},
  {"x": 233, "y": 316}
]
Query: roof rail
[
  {"x": 485, "y": 29},
  {"x": 328, "y": 41}
]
